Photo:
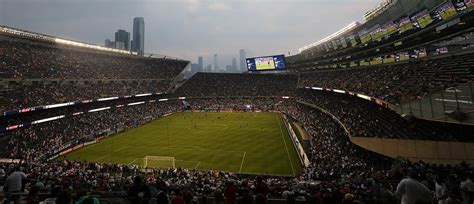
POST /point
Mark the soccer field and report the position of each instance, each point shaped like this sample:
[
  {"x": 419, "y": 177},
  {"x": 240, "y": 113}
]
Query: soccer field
[{"x": 248, "y": 143}]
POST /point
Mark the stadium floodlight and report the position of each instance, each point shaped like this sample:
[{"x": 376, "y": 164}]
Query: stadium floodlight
[
  {"x": 23, "y": 33},
  {"x": 136, "y": 103},
  {"x": 90, "y": 46},
  {"x": 108, "y": 99},
  {"x": 59, "y": 105},
  {"x": 47, "y": 119},
  {"x": 98, "y": 109},
  {"x": 332, "y": 36},
  {"x": 379, "y": 9},
  {"x": 140, "y": 95}
]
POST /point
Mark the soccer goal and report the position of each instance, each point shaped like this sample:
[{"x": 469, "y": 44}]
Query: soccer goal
[{"x": 159, "y": 162}]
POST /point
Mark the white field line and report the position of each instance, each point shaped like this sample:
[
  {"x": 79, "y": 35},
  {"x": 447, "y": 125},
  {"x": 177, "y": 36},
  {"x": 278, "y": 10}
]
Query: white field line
[
  {"x": 111, "y": 153},
  {"x": 197, "y": 165},
  {"x": 287, "y": 151},
  {"x": 133, "y": 161},
  {"x": 242, "y": 163}
]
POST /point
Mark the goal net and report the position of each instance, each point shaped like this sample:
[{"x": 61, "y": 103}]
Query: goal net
[{"x": 159, "y": 162}]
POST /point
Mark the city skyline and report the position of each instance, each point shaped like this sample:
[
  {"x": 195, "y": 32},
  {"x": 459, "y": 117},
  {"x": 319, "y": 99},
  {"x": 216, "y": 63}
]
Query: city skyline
[
  {"x": 197, "y": 65},
  {"x": 187, "y": 29}
]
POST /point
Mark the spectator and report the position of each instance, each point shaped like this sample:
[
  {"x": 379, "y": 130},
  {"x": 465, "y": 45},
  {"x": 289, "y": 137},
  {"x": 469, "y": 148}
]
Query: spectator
[
  {"x": 178, "y": 198},
  {"x": 32, "y": 197},
  {"x": 230, "y": 193},
  {"x": 218, "y": 197},
  {"x": 83, "y": 196},
  {"x": 441, "y": 190},
  {"x": 13, "y": 185},
  {"x": 410, "y": 191},
  {"x": 260, "y": 199},
  {"x": 261, "y": 186},
  {"x": 467, "y": 189},
  {"x": 188, "y": 196},
  {"x": 64, "y": 197},
  {"x": 162, "y": 198},
  {"x": 53, "y": 196},
  {"x": 139, "y": 192}
]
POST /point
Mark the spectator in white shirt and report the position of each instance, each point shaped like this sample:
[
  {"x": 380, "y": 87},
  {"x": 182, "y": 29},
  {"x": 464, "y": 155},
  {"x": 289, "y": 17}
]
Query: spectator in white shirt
[
  {"x": 467, "y": 189},
  {"x": 410, "y": 191},
  {"x": 441, "y": 190}
]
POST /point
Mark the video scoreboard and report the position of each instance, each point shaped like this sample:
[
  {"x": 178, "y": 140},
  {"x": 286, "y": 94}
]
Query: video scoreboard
[{"x": 276, "y": 62}]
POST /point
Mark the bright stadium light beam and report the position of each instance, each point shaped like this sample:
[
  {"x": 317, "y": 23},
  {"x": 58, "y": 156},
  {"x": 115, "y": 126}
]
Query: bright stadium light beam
[
  {"x": 90, "y": 46},
  {"x": 331, "y": 37}
]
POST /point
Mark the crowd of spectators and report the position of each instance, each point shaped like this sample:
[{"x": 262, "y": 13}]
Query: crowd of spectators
[
  {"x": 330, "y": 142},
  {"x": 340, "y": 172},
  {"x": 238, "y": 85},
  {"x": 23, "y": 96},
  {"x": 79, "y": 107},
  {"x": 34, "y": 142},
  {"x": 396, "y": 83},
  {"x": 238, "y": 104},
  {"x": 33, "y": 74},
  {"x": 21, "y": 60},
  {"x": 367, "y": 119}
]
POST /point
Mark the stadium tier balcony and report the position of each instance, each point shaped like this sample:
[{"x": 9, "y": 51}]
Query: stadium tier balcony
[
  {"x": 38, "y": 61},
  {"x": 368, "y": 119},
  {"x": 397, "y": 83},
  {"x": 331, "y": 143},
  {"x": 38, "y": 73},
  {"x": 24, "y": 95},
  {"x": 393, "y": 32},
  {"x": 238, "y": 85}
]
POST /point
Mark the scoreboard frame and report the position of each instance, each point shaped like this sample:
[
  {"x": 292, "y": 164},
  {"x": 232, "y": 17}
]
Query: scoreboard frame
[{"x": 273, "y": 65}]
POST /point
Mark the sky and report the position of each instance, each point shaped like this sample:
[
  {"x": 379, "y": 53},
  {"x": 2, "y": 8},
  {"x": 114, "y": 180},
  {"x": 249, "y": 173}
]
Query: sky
[{"x": 187, "y": 29}]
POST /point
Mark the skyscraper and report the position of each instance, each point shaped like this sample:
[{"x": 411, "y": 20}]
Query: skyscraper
[
  {"x": 216, "y": 64},
  {"x": 200, "y": 63},
  {"x": 243, "y": 63},
  {"x": 234, "y": 65},
  {"x": 124, "y": 37},
  {"x": 208, "y": 68},
  {"x": 194, "y": 68},
  {"x": 108, "y": 43},
  {"x": 139, "y": 35},
  {"x": 229, "y": 69}
]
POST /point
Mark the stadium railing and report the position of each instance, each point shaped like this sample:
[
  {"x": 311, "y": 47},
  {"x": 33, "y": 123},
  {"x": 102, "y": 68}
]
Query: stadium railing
[{"x": 296, "y": 143}]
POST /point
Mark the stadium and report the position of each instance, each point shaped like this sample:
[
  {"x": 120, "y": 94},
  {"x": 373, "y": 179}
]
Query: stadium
[{"x": 378, "y": 112}]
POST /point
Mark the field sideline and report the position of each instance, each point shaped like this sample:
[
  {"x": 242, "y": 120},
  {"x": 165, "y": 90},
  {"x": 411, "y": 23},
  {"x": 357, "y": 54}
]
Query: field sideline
[{"x": 247, "y": 143}]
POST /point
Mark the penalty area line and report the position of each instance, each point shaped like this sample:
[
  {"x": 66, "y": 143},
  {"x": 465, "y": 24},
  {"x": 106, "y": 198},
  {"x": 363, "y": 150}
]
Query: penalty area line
[
  {"x": 133, "y": 161},
  {"x": 242, "y": 163}
]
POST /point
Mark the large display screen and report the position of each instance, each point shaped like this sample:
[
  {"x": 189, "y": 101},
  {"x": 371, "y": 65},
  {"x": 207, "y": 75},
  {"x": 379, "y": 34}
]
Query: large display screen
[{"x": 266, "y": 63}]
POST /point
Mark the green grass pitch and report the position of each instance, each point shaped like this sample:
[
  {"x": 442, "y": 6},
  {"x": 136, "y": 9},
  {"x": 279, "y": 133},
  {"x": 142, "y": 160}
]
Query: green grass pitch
[{"x": 247, "y": 143}]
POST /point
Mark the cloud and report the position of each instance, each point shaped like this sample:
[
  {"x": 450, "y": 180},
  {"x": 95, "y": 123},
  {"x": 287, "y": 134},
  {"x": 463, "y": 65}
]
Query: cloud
[
  {"x": 218, "y": 6},
  {"x": 192, "y": 7}
]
